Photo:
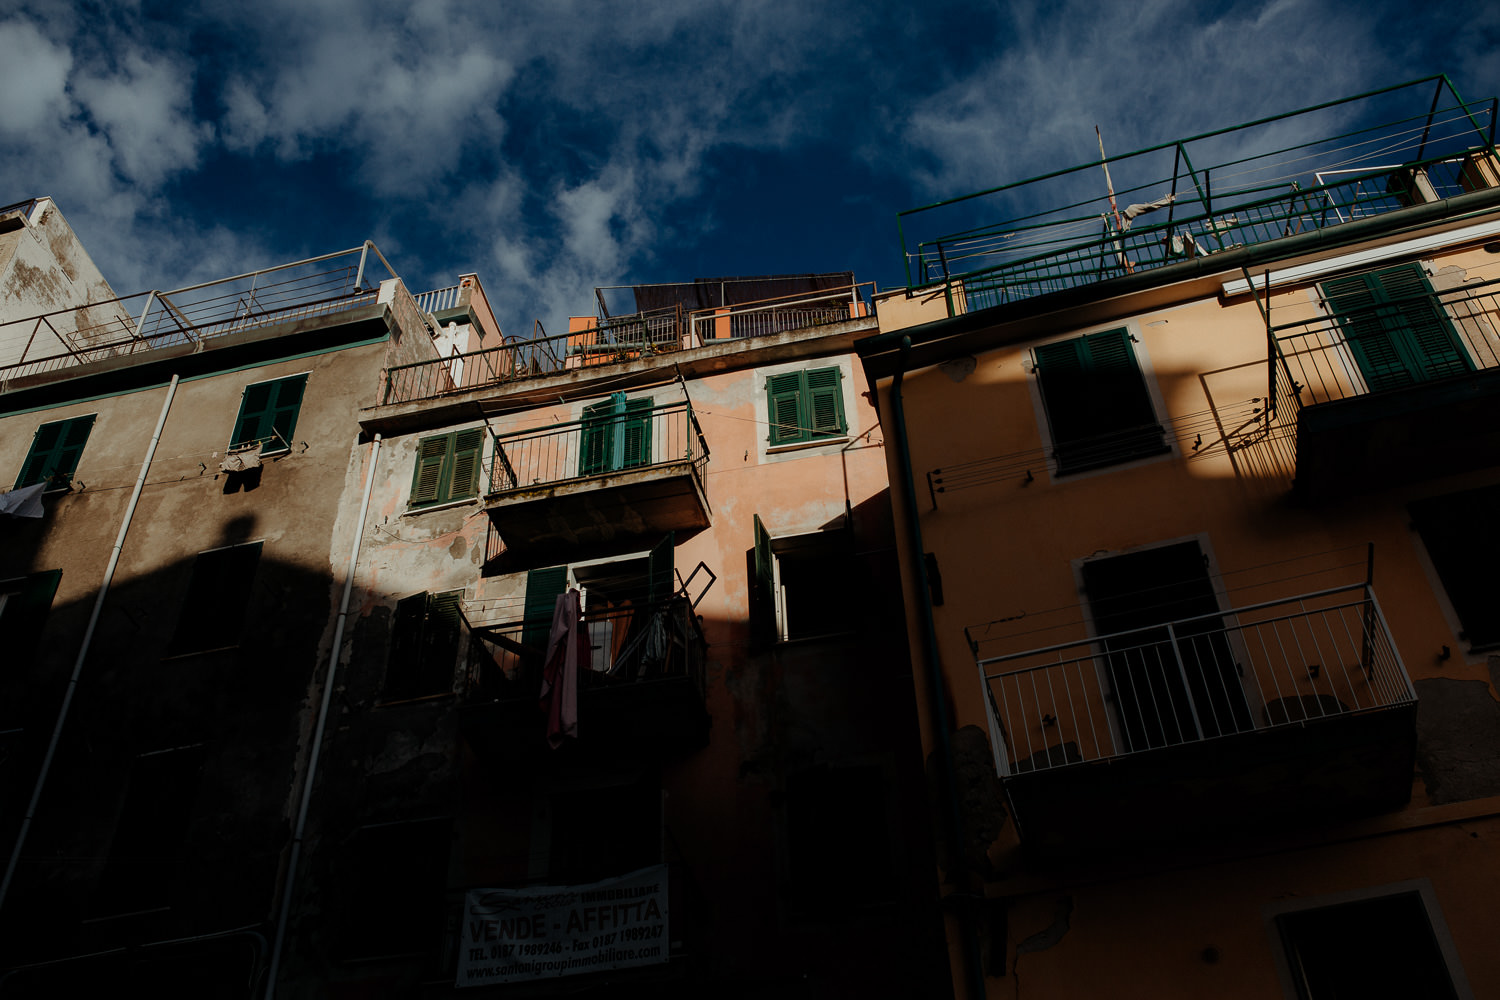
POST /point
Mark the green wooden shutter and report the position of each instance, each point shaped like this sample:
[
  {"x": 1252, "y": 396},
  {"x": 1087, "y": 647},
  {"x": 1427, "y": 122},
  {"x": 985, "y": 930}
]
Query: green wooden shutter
[
  {"x": 661, "y": 581},
  {"x": 784, "y": 400},
  {"x": 430, "y": 480},
  {"x": 1396, "y": 332},
  {"x": 763, "y": 596},
  {"x": 825, "y": 397},
  {"x": 1097, "y": 403},
  {"x": 1354, "y": 300},
  {"x": 636, "y": 434},
  {"x": 283, "y": 413},
  {"x": 268, "y": 413},
  {"x": 55, "y": 450},
  {"x": 542, "y": 589},
  {"x": 465, "y": 478},
  {"x": 440, "y": 638},
  {"x": 219, "y": 595},
  {"x": 595, "y": 445}
]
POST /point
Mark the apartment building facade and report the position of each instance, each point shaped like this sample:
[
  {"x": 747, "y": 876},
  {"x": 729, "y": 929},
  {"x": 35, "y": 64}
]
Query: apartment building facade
[
  {"x": 1192, "y": 479},
  {"x": 702, "y": 471},
  {"x": 178, "y": 463}
]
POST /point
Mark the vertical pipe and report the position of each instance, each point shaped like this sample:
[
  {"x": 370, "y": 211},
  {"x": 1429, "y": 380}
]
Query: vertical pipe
[
  {"x": 973, "y": 963},
  {"x": 88, "y": 638},
  {"x": 317, "y": 740},
  {"x": 359, "y": 276}
]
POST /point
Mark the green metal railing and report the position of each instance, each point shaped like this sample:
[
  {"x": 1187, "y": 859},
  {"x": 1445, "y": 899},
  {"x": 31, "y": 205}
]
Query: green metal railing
[{"x": 1194, "y": 197}]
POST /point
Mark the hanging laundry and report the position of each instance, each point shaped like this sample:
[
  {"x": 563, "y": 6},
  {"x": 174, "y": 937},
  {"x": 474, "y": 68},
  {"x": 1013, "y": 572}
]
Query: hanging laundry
[
  {"x": 567, "y": 648},
  {"x": 24, "y": 502},
  {"x": 1141, "y": 208}
]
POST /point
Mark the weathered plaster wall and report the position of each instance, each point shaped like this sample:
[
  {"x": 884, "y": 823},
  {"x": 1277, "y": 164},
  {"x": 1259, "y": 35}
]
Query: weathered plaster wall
[{"x": 49, "y": 270}]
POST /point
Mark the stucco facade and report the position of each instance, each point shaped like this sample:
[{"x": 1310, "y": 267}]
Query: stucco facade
[{"x": 1202, "y": 681}]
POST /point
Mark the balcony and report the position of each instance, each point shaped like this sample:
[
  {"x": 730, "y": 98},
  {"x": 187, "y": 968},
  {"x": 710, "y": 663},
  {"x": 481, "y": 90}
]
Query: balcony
[
  {"x": 319, "y": 290},
  {"x": 636, "y": 473},
  {"x": 1221, "y": 191},
  {"x": 638, "y": 336},
  {"x": 642, "y": 692},
  {"x": 1297, "y": 710},
  {"x": 1400, "y": 384}
]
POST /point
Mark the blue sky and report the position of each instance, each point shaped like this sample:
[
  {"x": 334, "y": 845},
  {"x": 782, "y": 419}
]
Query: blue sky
[{"x": 553, "y": 147}]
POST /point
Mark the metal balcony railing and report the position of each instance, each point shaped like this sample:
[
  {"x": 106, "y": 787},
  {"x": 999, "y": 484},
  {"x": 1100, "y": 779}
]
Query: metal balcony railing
[
  {"x": 661, "y": 435},
  {"x": 617, "y": 339},
  {"x": 1235, "y": 187},
  {"x": 1293, "y": 662},
  {"x": 318, "y": 286},
  {"x": 1448, "y": 332},
  {"x": 632, "y": 644},
  {"x": 439, "y": 299}
]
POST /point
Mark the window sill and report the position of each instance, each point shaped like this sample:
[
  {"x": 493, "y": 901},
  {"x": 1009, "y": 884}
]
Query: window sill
[
  {"x": 778, "y": 449},
  {"x": 198, "y": 652},
  {"x": 414, "y": 700},
  {"x": 448, "y": 505}
]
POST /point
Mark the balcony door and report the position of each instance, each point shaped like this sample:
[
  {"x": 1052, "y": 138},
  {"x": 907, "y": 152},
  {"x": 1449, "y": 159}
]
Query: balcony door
[
  {"x": 1165, "y": 692},
  {"x": 616, "y": 435},
  {"x": 1397, "y": 333}
]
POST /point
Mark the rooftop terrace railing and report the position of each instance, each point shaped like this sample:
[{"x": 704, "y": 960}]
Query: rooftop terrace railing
[
  {"x": 317, "y": 286},
  {"x": 1235, "y": 187},
  {"x": 1291, "y": 662},
  {"x": 616, "y": 339},
  {"x": 623, "y": 441}
]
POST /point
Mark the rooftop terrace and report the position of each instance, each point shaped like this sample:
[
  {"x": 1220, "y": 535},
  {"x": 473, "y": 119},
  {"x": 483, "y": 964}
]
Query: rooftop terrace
[{"x": 1249, "y": 184}]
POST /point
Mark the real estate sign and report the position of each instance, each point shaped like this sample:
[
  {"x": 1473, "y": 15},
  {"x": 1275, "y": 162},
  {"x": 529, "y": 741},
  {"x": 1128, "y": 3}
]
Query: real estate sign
[{"x": 540, "y": 932}]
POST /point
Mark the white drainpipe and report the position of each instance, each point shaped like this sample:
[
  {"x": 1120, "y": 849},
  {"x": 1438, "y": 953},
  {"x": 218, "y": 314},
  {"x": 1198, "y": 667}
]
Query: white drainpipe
[{"x": 317, "y": 741}]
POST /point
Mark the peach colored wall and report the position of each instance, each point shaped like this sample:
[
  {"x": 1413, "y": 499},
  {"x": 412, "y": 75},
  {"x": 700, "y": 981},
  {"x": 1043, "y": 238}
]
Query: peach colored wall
[{"x": 1006, "y": 550}]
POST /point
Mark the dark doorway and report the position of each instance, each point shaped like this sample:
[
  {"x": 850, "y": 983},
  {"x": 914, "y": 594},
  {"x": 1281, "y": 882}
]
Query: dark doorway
[{"x": 1165, "y": 692}]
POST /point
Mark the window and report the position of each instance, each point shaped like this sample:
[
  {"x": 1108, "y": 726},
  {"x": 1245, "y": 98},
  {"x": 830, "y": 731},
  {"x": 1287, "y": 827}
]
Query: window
[
  {"x": 801, "y": 585},
  {"x": 1382, "y": 946},
  {"x": 391, "y": 879},
  {"x": 1397, "y": 333},
  {"x": 1158, "y": 685},
  {"x": 268, "y": 414},
  {"x": 805, "y": 405},
  {"x": 1456, "y": 531},
  {"x": 24, "y": 603},
  {"x": 447, "y": 468},
  {"x": 425, "y": 637},
  {"x": 55, "y": 450},
  {"x": 1098, "y": 407},
  {"x": 150, "y": 831},
  {"x": 218, "y": 597},
  {"x": 616, "y": 435}
]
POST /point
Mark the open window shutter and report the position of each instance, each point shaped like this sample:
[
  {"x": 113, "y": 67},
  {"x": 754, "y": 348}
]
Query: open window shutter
[
  {"x": 427, "y": 484},
  {"x": 660, "y": 574},
  {"x": 282, "y": 412},
  {"x": 24, "y": 613},
  {"x": 1353, "y": 301},
  {"x": 402, "y": 666},
  {"x": 637, "y": 433},
  {"x": 256, "y": 417},
  {"x": 1420, "y": 326},
  {"x": 55, "y": 450},
  {"x": 542, "y": 589},
  {"x": 465, "y": 478},
  {"x": 763, "y": 597},
  {"x": 826, "y": 401},
  {"x": 440, "y": 641},
  {"x": 783, "y": 395},
  {"x": 595, "y": 445}
]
